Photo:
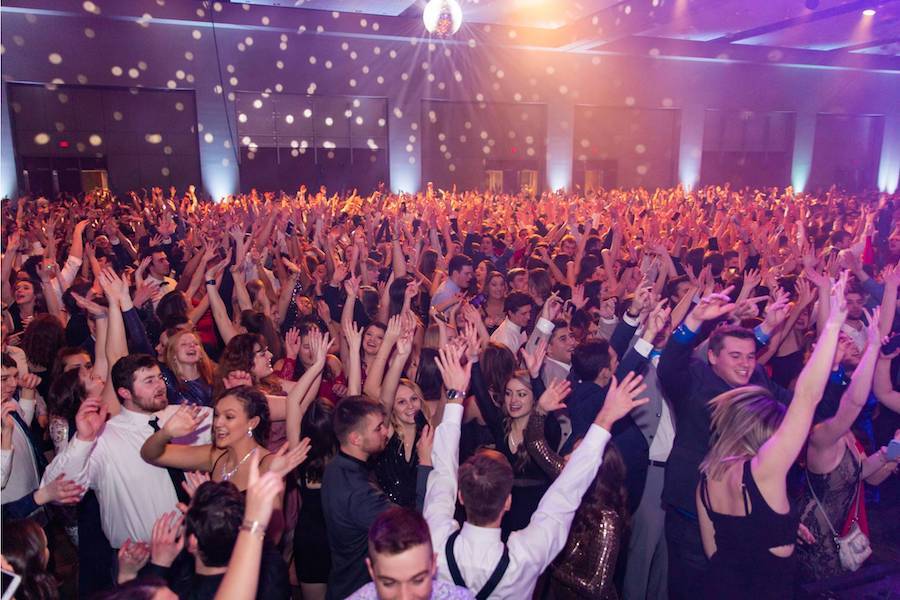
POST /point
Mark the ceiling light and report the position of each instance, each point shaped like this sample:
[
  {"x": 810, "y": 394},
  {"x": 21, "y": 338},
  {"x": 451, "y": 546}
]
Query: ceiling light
[
  {"x": 869, "y": 12},
  {"x": 442, "y": 17}
]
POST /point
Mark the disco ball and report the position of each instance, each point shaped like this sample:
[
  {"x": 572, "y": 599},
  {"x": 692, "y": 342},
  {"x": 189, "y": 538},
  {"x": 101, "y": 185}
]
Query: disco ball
[{"x": 442, "y": 17}]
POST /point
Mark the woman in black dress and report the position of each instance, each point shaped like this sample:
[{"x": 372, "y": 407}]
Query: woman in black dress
[{"x": 747, "y": 524}]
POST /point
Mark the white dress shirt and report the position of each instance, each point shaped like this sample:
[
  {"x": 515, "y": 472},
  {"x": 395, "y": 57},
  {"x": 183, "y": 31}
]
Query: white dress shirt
[
  {"x": 132, "y": 493},
  {"x": 19, "y": 476},
  {"x": 511, "y": 335},
  {"x": 478, "y": 549},
  {"x": 664, "y": 438}
]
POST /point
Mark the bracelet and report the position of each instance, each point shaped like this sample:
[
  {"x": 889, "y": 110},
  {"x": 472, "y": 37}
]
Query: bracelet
[
  {"x": 210, "y": 282},
  {"x": 100, "y": 316},
  {"x": 255, "y": 528}
]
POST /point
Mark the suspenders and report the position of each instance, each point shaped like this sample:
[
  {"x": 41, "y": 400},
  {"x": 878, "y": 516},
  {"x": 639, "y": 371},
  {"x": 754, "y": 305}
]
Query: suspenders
[{"x": 492, "y": 582}]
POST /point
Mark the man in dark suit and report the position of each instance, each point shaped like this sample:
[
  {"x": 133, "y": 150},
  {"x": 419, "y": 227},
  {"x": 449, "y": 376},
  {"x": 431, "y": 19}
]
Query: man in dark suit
[
  {"x": 690, "y": 383},
  {"x": 351, "y": 500}
]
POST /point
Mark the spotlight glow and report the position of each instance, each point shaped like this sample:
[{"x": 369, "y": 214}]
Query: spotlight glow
[
  {"x": 869, "y": 12},
  {"x": 442, "y": 17}
]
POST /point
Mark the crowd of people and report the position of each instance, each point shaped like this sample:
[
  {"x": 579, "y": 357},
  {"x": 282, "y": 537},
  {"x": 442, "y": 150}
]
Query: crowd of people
[{"x": 620, "y": 393}]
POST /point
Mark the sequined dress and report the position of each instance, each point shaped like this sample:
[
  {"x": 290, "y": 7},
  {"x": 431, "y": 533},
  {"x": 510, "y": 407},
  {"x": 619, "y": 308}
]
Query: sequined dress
[
  {"x": 396, "y": 475},
  {"x": 587, "y": 564}
]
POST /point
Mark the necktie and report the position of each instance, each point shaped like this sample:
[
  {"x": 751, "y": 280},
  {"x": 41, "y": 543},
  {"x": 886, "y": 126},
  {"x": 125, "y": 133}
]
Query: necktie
[{"x": 176, "y": 475}]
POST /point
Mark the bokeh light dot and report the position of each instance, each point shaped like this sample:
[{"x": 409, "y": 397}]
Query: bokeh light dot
[{"x": 42, "y": 139}]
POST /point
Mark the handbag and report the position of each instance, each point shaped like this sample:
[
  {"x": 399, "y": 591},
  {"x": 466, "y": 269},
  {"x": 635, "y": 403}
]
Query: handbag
[{"x": 853, "y": 548}]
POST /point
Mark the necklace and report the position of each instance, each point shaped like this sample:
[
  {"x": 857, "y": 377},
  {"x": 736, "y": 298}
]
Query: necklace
[{"x": 226, "y": 475}]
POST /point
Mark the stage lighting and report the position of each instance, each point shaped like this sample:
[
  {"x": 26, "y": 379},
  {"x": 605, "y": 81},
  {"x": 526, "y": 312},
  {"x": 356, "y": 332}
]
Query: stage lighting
[
  {"x": 442, "y": 17},
  {"x": 869, "y": 12}
]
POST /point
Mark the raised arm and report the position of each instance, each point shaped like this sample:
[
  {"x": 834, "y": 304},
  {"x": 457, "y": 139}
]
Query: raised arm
[
  {"x": 299, "y": 398},
  {"x": 825, "y": 438},
  {"x": 395, "y": 371},
  {"x": 777, "y": 455},
  {"x": 375, "y": 374},
  {"x": 160, "y": 451}
]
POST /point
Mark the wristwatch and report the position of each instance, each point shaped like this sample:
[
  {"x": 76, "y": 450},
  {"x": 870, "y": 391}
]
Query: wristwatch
[{"x": 455, "y": 394}]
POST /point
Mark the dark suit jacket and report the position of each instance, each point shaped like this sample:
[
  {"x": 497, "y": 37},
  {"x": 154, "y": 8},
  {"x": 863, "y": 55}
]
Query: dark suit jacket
[
  {"x": 690, "y": 384},
  {"x": 351, "y": 500},
  {"x": 585, "y": 402}
]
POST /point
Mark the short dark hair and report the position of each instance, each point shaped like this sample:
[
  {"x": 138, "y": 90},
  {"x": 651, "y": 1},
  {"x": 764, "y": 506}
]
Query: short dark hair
[
  {"x": 123, "y": 371},
  {"x": 8, "y": 362},
  {"x": 214, "y": 517},
  {"x": 396, "y": 530},
  {"x": 351, "y": 413},
  {"x": 458, "y": 262},
  {"x": 485, "y": 481},
  {"x": 513, "y": 273},
  {"x": 255, "y": 405},
  {"x": 589, "y": 358},
  {"x": 516, "y": 300},
  {"x": 717, "y": 339},
  {"x": 581, "y": 319}
]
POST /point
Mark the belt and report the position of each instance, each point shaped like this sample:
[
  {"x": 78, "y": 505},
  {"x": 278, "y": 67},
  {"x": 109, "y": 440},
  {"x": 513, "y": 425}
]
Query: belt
[{"x": 657, "y": 463}]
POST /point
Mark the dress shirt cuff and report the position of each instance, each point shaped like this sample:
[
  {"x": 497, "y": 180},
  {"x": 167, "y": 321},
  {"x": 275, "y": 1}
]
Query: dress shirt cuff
[
  {"x": 684, "y": 335},
  {"x": 643, "y": 347},
  {"x": 596, "y": 437},
  {"x": 631, "y": 321},
  {"x": 453, "y": 414},
  {"x": 74, "y": 262},
  {"x": 761, "y": 336},
  {"x": 611, "y": 321},
  {"x": 79, "y": 448},
  {"x": 544, "y": 326}
]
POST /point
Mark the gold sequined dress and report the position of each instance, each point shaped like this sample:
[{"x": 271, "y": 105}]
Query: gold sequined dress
[{"x": 587, "y": 563}]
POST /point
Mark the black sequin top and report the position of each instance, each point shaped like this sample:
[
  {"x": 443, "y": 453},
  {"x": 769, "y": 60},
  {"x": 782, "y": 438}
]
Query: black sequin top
[{"x": 395, "y": 475}]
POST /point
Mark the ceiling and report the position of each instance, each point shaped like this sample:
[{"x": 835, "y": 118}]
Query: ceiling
[{"x": 813, "y": 31}]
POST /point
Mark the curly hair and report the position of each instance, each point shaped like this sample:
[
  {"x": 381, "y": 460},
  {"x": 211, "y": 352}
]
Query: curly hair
[
  {"x": 42, "y": 339},
  {"x": 238, "y": 356}
]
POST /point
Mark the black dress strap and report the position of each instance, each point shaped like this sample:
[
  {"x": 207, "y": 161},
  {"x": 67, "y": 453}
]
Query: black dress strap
[
  {"x": 493, "y": 581},
  {"x": 704, "y": 494}
]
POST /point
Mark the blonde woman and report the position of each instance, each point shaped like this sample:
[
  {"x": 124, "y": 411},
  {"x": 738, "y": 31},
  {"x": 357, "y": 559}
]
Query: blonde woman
[
  {"x": 396, "y": 467},
  {"x": 747, "y": 525}
]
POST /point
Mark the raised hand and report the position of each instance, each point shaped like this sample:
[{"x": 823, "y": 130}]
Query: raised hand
[
  {"x": 353, "y": 334},
  {"x": 29, "y": 381},
  {"x": 394, "y": 329},
  {"x": 351, "y": 286},
  {"x": 712, "y": 307},
  {"x": 193, "y": 480},
  {"x": 620, "y": 400},
  {"x": 89, "y": 419},
  {"x": 552, "y": 398},
  {"x": 641, "y": 299},
  {"x": 292, "y": 343},
  {"x": 838, "y": 303},
  {"x": 657, "y": 320},
  {"x": 237, "y": 379},
  {"x": 286, "y": 460},
  {"x": 113, "y": 286},
  {"x": 534, "y": 359},
  {"x": 455, "y": 376},
  {"x": 578, "y": 297},
  {"x": 873, "y": 335},
  {"x": 777, "y": 311},
  {"x": 59, "y": 491},
  {"x": 132, "y": 558},
  {"x": 89, "y": 306},
  {"x": 185, "y": 420},
  {"x": 167, "y": 539},
  {"x": 552, "y": 307},
  {"x": 891, "y": 275},
  {"x": 425, "y": 445}
]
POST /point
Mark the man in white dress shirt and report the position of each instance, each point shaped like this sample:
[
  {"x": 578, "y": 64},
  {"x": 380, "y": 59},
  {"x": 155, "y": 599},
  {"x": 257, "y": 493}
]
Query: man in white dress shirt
[
  {"x": 105, "y": 455},
  {"x": 475, "y": 555},
  {"x": 518, "y": 307}
]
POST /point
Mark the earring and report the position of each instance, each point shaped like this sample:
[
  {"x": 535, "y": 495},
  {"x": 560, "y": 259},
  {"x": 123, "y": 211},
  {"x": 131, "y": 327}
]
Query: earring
[{"x": 249, "y": 432}]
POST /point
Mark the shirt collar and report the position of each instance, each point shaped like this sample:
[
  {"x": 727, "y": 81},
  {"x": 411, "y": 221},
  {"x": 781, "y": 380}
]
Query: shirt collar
[
  {"x": 565, "y": 366},
  {"x": 512, "y": 326},
  {"x": 480, "y": 535},
  {"x": 136, "y": 419},
  {"x": 354, "y": 460}
]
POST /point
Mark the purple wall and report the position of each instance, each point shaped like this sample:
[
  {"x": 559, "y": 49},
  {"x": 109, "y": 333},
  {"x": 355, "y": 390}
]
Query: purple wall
[{"x": 171, "y": 45}]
